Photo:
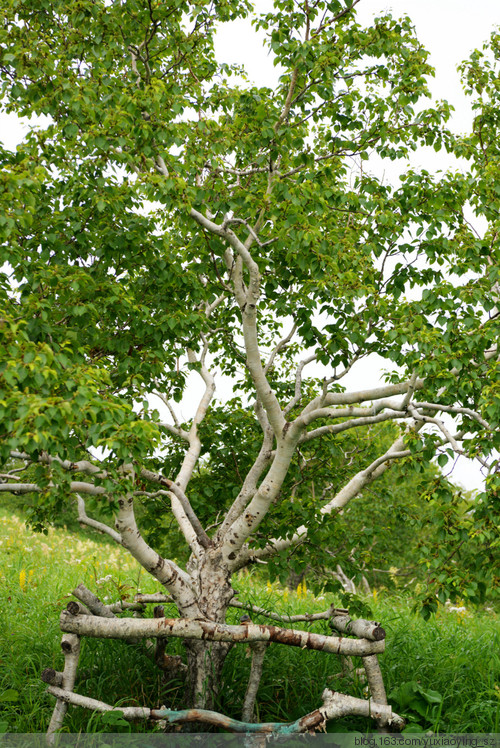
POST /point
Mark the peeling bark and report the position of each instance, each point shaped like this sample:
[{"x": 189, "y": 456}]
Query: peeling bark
[
  {"x": 335, "y": 705},
  {"x": 202, "y": 630}
]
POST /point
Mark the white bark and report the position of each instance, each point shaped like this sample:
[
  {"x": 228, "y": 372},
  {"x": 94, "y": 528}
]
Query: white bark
[
  {"x": 81, "y": 466},
  {"x": 335, "y": 705},
  {"x": 92, "y": 602},
  {"x": 258, "y": 650},
  {"x": 84, "y": 519},
  {"x": 52, "y": 677},
  {"x": 186, "y": 518},
  {"x": 359, "y": 627},
  {"x": 356, "y": 423},
  {"x": 74, "y": 487},
  {"x": 247, "y": 298},
  {"x": 193, "y": 453},
  {"x": 188, "y": 628},
  {"x": 249, "y": 486},
  {"x": 70, "y": 645},
  {"x": 348, "y": 492},
  {"x": 167, "y": 572},
  {"x": 307, "y": 617},
  {"x": 360, "y": 396},
  {"x": 192, "y": 525},
  {"x": 324, "y": 616},
  {"x": 375, "y": 680},
  {"x": 66, "y": 696},
  {"x": 258, "y": 507}
]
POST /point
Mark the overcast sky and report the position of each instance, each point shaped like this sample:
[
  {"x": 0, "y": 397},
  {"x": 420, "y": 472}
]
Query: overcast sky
[{"x": 449, "y": 29}]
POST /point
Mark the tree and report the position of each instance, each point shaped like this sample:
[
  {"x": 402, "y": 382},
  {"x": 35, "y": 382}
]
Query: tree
[{"x": 171, "y": 221}]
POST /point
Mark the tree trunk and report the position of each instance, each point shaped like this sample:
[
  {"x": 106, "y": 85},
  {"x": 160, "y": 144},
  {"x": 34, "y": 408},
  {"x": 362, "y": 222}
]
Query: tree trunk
[{"x": 205, "y": 659}]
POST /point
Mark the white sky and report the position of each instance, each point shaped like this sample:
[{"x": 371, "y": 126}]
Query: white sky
[{"x": 449, "y": 29}]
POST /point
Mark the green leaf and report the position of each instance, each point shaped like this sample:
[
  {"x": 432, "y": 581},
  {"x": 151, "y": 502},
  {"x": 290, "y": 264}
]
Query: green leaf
[{"x": 9, "y": 695}]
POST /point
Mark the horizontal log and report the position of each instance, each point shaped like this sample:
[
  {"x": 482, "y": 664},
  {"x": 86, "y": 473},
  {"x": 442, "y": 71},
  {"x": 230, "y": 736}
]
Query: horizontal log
[
  {"x": 159, "y": 597},
  {"x": 188, "y": 628},
  {"x": 335, "y": 705},
  {"x": 69, "y": 697},
  {"x": 363, "y": 629},
  {"x": 122, "y": 605},
  {"x": 305, "y": 617}
]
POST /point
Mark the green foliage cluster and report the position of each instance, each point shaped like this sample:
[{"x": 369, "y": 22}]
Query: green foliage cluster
[{"x": 106, "y": 276}]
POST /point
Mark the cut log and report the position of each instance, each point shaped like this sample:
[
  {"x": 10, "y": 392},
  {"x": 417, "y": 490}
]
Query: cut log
[
  {"x": 52, "y": 677},
  {"x": 70, "y": 645},
  {"x": 376, "y": 685},
  {"x": 362, "y": 629},
  {"x": 335, "y": 705},
  {"x": 187, "y": 628},
  {"x": 92, "y": 602},
  {"x": 77, "y": 608}
]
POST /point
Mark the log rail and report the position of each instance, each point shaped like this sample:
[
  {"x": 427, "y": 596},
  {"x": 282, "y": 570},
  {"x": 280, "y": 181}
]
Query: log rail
[{"x": 90, "y": 617}]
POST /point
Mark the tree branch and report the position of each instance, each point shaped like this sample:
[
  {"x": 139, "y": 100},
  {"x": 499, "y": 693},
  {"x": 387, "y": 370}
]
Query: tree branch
[
  {"x": 247, "y": 298},
  {"x": 167, "y": 572},
  {"x": 84, "y": 519},
  {"x": 298, "y": 384}
]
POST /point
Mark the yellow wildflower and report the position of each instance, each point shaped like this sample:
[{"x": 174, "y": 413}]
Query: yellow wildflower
[
  {"x": 22, "y": 579},
  {"x": 302, "y": 589}
]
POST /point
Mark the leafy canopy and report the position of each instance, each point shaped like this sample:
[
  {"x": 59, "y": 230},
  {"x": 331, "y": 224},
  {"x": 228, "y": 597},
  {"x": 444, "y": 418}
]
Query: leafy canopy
[{"x": 113, "y": 287}]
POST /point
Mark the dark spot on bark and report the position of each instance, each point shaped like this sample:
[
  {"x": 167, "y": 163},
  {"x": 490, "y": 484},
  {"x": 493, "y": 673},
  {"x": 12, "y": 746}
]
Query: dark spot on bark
[
  {"x": 121, "y": 503},
  {"x": 286, "y": 427},
  {"x": 159, "y": 564},
  {"x": 232, "y": 556},
  {"x": 233, "y": 542},
  {"x": 66, "y": 647}
]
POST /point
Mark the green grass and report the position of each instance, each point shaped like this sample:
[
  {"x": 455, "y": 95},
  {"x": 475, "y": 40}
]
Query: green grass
[{"x": 457, "y": 656}]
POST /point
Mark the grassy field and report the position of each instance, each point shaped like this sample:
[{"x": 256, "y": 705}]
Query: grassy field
[{"x": 444, "y": 675}]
